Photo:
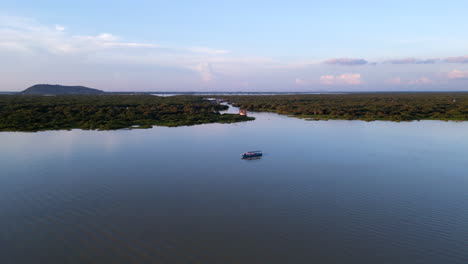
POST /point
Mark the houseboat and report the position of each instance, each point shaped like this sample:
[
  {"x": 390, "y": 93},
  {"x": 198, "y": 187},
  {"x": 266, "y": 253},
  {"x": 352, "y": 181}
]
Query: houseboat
[{"x": 252, "y": 154}]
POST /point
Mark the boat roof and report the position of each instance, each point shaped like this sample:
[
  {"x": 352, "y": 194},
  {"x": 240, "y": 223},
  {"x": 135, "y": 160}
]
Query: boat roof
[{"x": 254, "y": 151}]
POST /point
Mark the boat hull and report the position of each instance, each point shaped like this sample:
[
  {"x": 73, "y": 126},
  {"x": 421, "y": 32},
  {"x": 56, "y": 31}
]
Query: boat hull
[{"x": 246, "y": 156}]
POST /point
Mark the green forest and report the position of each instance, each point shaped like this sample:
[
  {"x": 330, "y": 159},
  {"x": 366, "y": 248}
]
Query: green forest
[
  {"x": 361, "y": 106},
  {"x": 107, "y": 112}
]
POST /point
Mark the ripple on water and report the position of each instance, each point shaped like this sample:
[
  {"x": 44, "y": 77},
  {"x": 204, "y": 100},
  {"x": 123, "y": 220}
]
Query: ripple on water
[{"x": 182, "y": 195}]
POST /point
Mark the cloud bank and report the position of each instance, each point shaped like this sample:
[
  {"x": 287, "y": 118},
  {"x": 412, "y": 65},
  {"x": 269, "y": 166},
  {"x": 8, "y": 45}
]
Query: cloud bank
[
  {"x": 343, "y": 79},
  {"x": 345, "y": 61},
  {"x": 32, "y": 53},
  {"x": 457, "y": 74},
  {"x": 412, "y": 61},
  {"x": 460, "y": 59}
]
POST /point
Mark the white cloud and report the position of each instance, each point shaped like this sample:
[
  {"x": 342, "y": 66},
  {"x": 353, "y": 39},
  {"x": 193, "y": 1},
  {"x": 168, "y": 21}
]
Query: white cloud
[
  {"x": 419, "y": 81},
  {"x": 460, "y": 59},
  {"x": 422, "y": 80},
  {"x": 300, "y": 81},
  {"x": 348, "y": 78},
  {"x": 59, "y": 28},
  {"x": 55, "y": 51},
  {"x": 412, "y": 61},
  {"x": 457, "y": 74},
  {"x": 395, "y": 80},
  {"x": 205, "y": 71},
  {"x": 106, "y": 37},
  {"x": 327, "y": 79},
  {"x": 343, "y": 79},
  {"x": 28, "y": 37},
  {"x": 26, "y": 34},
  {"x": 346, "y": 61},
  {"x": 209, "y": 51}
]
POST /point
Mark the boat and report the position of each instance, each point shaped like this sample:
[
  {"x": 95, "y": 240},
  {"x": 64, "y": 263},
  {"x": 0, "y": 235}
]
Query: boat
[{"x": 252, "y": 154}]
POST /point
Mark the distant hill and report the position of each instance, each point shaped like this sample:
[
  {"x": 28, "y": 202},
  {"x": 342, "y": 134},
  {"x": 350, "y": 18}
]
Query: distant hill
[{"x": 60, "y": 89}]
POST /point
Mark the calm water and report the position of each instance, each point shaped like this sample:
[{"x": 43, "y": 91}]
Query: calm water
[{"x": 325, "y": 192}]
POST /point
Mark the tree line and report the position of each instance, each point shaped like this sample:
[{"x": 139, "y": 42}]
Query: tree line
[
  {"x": 361, "y": 106},
  {"x": 107, "y": 112}
]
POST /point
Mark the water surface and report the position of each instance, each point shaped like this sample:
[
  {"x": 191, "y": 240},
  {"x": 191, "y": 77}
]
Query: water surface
[{"x": 324, "y": 192}]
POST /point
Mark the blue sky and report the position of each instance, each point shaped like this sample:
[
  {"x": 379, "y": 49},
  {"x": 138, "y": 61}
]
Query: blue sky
[{"x": 236, "y": 46}]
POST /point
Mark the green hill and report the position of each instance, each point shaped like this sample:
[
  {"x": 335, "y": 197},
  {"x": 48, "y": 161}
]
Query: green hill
[{"x": 60, "y": 89}]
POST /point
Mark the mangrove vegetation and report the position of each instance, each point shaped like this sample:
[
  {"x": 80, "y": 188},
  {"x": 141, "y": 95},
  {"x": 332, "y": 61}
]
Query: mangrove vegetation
[
  {"x": 361, "y": 106},
  {"x": 107, "y": 112}
]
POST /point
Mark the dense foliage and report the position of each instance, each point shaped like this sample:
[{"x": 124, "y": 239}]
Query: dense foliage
[
  {"x": 105, "y": 112},
  {"x": 365, "y": 106}
]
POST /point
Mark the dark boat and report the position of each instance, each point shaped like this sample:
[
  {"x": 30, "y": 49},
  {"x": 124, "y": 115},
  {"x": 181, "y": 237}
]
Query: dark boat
[{"x": 252, "y": 154}]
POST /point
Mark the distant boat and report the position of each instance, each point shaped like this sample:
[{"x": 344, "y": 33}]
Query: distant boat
[{"x": 252, "y": 154}]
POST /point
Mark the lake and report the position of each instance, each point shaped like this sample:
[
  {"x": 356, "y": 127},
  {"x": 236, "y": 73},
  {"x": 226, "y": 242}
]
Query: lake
[{"x": 324, "y": 192}]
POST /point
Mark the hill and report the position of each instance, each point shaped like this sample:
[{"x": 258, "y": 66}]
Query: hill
[{"x": 60, "y": 89}]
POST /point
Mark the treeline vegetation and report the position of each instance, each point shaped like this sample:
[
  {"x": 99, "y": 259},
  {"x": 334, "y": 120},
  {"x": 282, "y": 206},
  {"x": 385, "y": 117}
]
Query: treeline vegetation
[
  {"x": 107, "y": 112},
  {"x": 362, "y": 106}
]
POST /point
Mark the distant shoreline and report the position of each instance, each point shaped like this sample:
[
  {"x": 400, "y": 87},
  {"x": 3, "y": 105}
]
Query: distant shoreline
[
  {"x": 258, "y": 93},
  {"x": 110, "y": 111}
]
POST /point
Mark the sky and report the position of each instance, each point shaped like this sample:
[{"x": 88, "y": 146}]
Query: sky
[{"x": 257, "y": 46}]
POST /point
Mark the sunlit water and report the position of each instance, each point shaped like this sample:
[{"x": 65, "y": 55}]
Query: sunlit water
[{"x": 324, "y": 192}]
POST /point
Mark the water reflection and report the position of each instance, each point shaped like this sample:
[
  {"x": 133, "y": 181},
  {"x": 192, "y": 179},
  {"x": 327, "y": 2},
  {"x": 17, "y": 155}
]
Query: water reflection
[
  {"x": 251, "y": 158},
  {"x": 327, "y": 192}
]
